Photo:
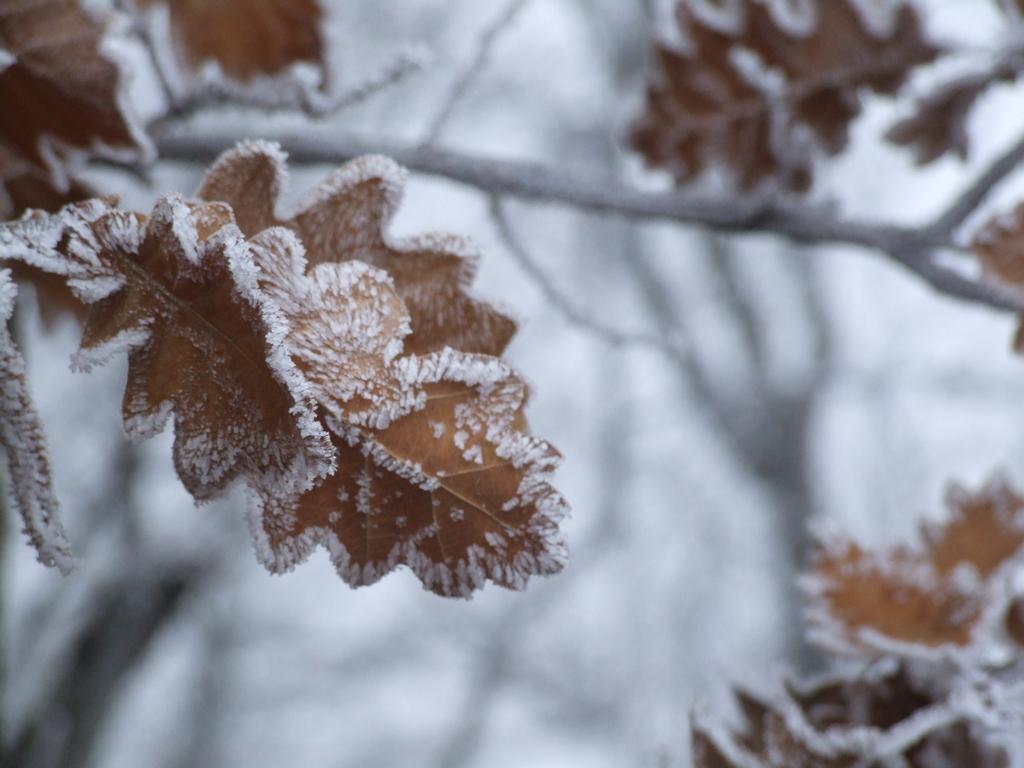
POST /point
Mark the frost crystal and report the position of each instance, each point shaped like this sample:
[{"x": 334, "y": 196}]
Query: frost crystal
[{"x": 30, "y": 486}]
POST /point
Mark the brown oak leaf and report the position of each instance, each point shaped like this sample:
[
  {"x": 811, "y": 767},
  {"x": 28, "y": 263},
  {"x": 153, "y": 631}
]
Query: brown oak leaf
[
  {"x": 750, "y": 86},
  {"x": 861, "y": 717},
  {"x": 60, "y": 95},
  {"x": 346, "y": 218},
  {"x": 24, "y": 186},
  {"x": 178, "y": 292},
  {"x": 940, "y": 593},
  {"x": 29, "y": 480},
  {"x": 999, "y": 246},
  {"x": 436, "y": 471},
  {"x": 938, "y": 124},
  {"x": 247, "y": 39}
]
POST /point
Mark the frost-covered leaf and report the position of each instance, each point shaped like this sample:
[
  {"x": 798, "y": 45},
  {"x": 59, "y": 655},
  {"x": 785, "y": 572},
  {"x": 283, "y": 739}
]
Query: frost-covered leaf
[
  {"x": 879, "y": 715},
  {"x": 346, "y": 325},
  {"x": 29, "y": 481},
  {"x": 999, "y": 246},
  {"x": 346, "y": 218},
  {"x": 61, "y": 94},
  {"x": 178, "y": 292},
  {"x": 705, "y": 750},
  {"x": 948, "y": 590},
  {"x": 762, "y": 84},
  {"x": 247, "y": 41},
  {"x": 435, "y": 472}
]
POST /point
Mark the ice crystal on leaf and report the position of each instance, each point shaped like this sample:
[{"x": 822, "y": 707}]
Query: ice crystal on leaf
[
  {"x": 21, "y": 432},
  {"x": 457, "y": 515},
  {"x": 759, "y": 86},
  {"x": 60, "y": 95},
  {"x": 345, "y": 219}
]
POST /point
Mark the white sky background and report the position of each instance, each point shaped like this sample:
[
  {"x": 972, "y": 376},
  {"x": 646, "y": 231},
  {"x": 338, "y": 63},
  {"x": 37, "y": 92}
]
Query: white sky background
[{"x": 680, "y": 595}]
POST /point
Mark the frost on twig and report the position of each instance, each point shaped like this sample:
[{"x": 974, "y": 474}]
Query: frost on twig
[{"x": 29, "y": 479}]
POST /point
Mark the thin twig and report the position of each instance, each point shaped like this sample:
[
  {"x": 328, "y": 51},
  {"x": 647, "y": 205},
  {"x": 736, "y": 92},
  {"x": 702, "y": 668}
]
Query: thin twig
[
  {"x": 910, "y": 247},
  {"x": 557, "y": 299},
  {"x": 971, "y": 198},
  {"x": 472, "y": 69},
  {"x": 307, "y": 100}
]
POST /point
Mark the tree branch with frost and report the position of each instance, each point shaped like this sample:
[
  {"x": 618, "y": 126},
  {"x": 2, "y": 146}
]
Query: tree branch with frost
[
  {"x": 913, "y": 248},
  {"x": 310, "y": 102}
]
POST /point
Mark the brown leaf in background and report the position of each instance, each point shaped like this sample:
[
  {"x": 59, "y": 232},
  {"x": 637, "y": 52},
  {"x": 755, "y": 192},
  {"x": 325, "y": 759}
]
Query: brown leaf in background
[
  {"x": 939, "y": 122},
  {"x": 932, "y": 595},
  {"x": 248, "y": 39},
  {"x": 705, "y": 751},
  {"x": 705, "y": 109},
  {"x": 999, "y": 246},
  {"x": 59, "y": 94},
  {"x": 874, "y": 716},
  {"x": 895, "y": 595},
  {"x": 23, "y": 186},
  {"x": 346, "y": 218}
]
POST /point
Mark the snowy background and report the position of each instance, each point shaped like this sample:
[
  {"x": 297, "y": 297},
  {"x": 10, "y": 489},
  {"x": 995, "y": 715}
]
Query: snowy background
[{"x": 861, "y": 395}]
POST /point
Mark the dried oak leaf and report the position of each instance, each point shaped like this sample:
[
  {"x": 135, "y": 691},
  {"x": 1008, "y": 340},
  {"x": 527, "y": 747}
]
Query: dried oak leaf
[
  {"x": 178, "y": 292},
  {"x": 940, "y": 593},
  {"x": 705, "y": 750},
  {"x": 938, "y": 125},
  {"x": 60, "y": 95},
  {"x": 879, "y": 715},
  {"x": 999, "y": 246},
  {"x": 29, "y": 480},
  {"x": 246, "y": 39},
  {"x": 885, "y": 698},
  {"x": 435, "y": 469},
  {"x": 755, "y": 82},
  {"x": 24, "y": 186},
  {"x": 769, "y": 739},
  {"x": 345, "y": 218}
]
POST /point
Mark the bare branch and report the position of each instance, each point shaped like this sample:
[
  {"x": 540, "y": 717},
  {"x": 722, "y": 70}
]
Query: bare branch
[
  {"x": 557, "y": 299},
  {"x": 473, "y": 68},
  {"x": 910, "y": 247},
  {"x": 309, "y": 102},
  {"x": 972, "y": 197}
]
